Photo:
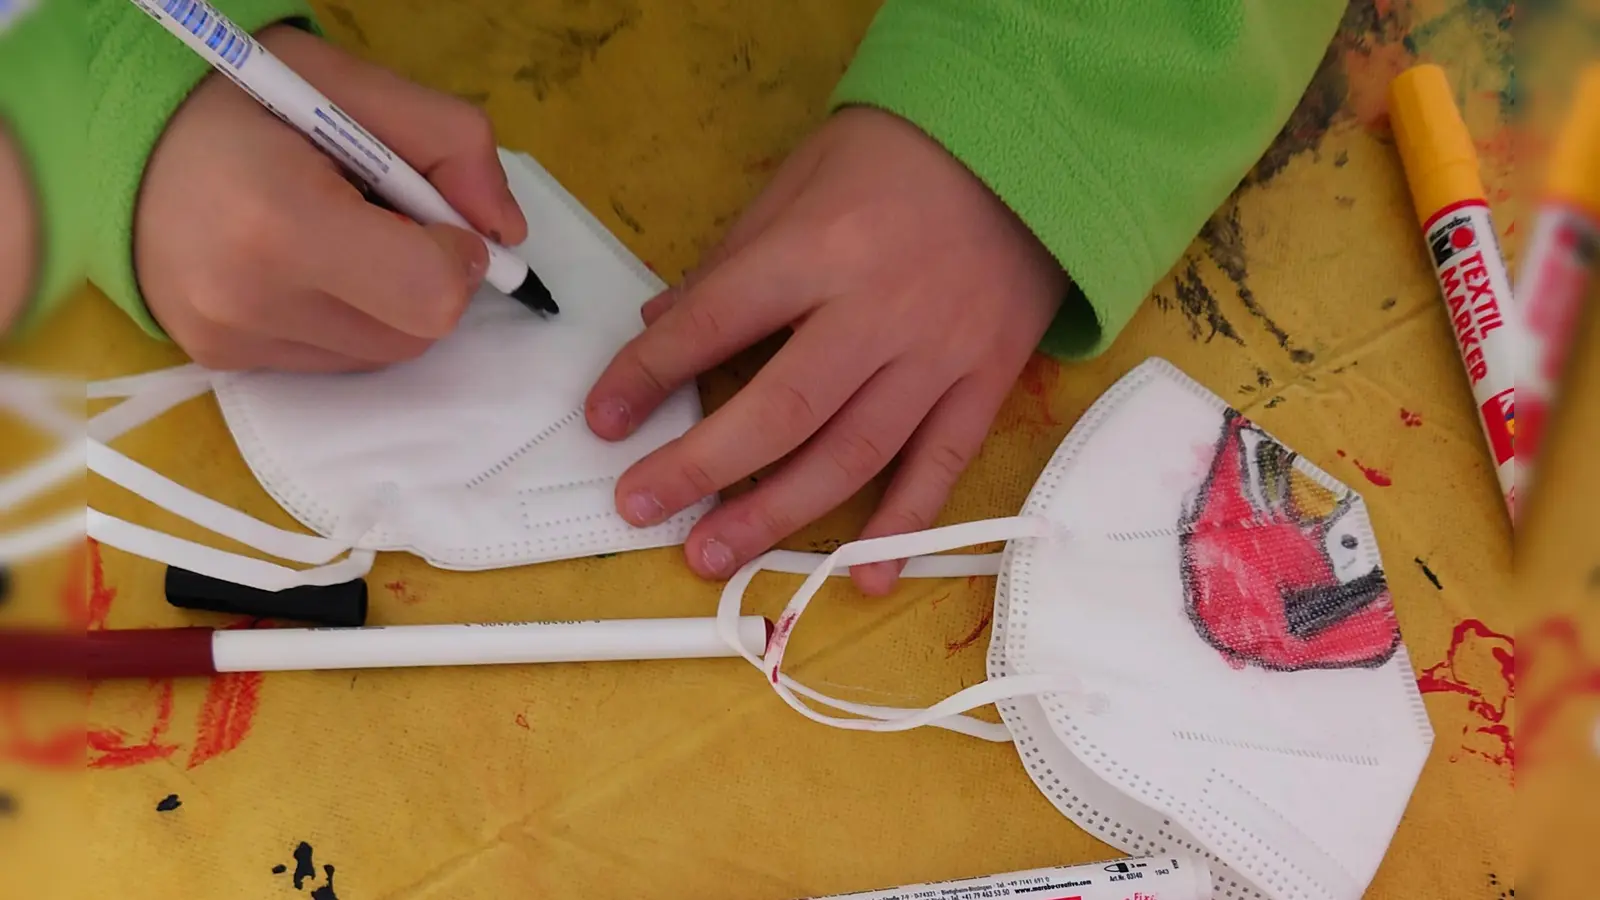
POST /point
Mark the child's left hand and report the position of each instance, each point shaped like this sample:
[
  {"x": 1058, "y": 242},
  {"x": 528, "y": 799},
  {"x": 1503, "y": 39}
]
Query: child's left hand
[{"x": 916, "y": 297}]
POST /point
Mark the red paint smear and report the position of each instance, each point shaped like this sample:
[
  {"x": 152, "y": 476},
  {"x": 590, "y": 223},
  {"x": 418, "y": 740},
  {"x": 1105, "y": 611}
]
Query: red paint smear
[
  {"x": 1368, "y": 71},
  {"x": 763, "y": 165},
  {"x": 63, "y": 750},
  {"x": 74, "y": 598},
  {"x": 955, "y": 647},
  {"x": 940, "y": 599},
  {"x": 101, "y": 595},
  {"x": 1340, "y": 452},
  {"x": 1512, "y": 228},
  {"x": 521, "y": 720},
  {"x": 1412, "y": 420},
  {"x": 1443, "y": 679},
  {"x": 1563, "y": 633},
  {"x": 1038, "y": 380},
  {"x": 227, "y": 715},
  {"x": 228, "y": 711},
  {"x": 398, "y": 588},
  {"x": 1376, "y": 476},
  {"x": 111, "y": 750}
]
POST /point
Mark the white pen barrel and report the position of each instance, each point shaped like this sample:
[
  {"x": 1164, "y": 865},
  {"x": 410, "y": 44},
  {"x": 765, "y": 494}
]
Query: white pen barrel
[{"x": 376, "y": 647}]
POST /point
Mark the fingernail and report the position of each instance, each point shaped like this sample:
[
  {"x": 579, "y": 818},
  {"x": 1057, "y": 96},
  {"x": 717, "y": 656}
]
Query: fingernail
[
  {"x": 610, "y": 416},
  {"x": 716, "y": 557},
  {"x": 476, "y": 267},
  {"x": 642, "y": 508}
]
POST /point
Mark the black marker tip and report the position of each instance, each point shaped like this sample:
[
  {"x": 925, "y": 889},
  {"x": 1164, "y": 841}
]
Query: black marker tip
[{"x": 534, "y": 295}]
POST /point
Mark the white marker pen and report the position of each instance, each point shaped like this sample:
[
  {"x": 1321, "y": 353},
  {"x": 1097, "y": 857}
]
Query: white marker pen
[
  {"x": 234, "y": 53},
  {"x": 175, "y": 652},
  {"x": 1155, "y": 878}
]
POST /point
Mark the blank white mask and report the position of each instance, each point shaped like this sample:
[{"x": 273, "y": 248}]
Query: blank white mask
[
  {"x": 1194, "y": 649},
  {"x": 476, "y": 455}
]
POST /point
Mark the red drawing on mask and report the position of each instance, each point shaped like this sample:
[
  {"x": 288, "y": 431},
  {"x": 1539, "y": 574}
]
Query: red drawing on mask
[
  {"x": 1476, "y": 650},
  {"x": 1269, "y": 583}
]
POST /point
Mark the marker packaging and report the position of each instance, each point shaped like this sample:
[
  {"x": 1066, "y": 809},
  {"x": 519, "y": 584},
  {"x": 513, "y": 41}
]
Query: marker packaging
[{"x": 1153, "y": 878}]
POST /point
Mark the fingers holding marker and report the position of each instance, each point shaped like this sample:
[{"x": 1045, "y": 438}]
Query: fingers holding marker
[
  {"x": 448, "y": 141},
  {"x": 415, "y": 279}
]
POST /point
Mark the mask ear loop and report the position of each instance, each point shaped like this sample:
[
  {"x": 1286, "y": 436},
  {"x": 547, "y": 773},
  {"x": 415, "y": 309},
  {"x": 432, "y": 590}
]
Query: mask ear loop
[
  {"x": 38, "y": 399},
  {"x": 147, "y": 396},
  {"x": 948, "y": 713}
]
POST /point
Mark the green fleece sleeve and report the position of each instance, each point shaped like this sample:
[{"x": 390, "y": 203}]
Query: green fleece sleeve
[
  {"x": 1113, "y": 128},
  {"x": 41, "y": 109},
  {"x": 138, "y": 76}
]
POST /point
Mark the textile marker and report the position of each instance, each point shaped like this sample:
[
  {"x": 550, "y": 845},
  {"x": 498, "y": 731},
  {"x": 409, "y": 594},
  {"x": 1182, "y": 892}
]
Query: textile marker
[
  {"x": 1560, "y": 261},
  {"x": 1442, "y": 168},
  {"x": 233, "y": 52},
  {"x": 1155, "y": 878},
  {"x": 181, "y": 652}
]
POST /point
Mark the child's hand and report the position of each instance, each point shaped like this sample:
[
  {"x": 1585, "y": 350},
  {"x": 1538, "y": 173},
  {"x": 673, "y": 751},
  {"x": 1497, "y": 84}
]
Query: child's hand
[
  {"x": 254, "y": 251},
  {"x": 915, "y": 296},
  {"x": 18, "y": 233}
]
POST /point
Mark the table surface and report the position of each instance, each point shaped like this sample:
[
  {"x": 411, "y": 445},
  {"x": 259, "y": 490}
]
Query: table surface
[{"x": 1310, "y": 307}]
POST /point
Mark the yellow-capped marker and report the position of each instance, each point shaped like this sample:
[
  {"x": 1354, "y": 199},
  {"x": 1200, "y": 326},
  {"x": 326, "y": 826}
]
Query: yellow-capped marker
[
  {"x": 1441, "y": 166},
  {"x": 1559, "y": 264}
]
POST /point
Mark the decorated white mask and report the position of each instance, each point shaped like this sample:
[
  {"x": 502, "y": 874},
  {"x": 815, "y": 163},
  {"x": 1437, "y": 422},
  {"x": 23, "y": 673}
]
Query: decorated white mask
[{"x": 1193, "y": 652}]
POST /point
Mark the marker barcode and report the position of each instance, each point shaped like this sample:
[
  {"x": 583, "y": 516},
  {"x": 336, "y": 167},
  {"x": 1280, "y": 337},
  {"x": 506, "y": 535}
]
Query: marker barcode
[{"x": 201, "y": 20}]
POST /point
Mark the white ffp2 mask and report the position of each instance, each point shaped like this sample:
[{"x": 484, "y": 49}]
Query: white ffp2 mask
[
  {"x": 1194, "y": 649},
  {"x": 476, "y": 455}
]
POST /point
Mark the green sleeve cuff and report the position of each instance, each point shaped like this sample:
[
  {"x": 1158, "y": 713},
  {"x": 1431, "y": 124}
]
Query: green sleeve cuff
[
  {"x": 1113, "y": 128},
  {"x": 139, "y": 75},
  {"x": 42, "y": 90}
]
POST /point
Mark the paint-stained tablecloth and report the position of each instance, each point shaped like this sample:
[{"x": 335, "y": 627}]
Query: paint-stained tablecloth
[{"x": 1307, "y": 303}]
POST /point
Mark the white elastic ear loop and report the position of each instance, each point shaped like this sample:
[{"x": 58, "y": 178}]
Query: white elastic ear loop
[
  {"x": 220, "y": 564},
  {"x": 147, "y": 396},
  {"x": 42, "y": 538},
  {"x": 797, "y": 563},
  {"x": 946, "y": 713},
  {"x": 208, "y": 513}
]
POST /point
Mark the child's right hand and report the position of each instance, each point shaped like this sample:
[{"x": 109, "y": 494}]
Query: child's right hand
[{"x": 253, "y": 250}]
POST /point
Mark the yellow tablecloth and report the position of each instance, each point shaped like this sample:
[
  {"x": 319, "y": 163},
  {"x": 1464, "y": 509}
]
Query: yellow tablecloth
[{"x": 1308, "y": 303}]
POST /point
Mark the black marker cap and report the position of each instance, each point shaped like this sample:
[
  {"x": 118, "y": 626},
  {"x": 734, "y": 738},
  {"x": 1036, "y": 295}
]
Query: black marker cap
[{"x": 341, "y": 605}]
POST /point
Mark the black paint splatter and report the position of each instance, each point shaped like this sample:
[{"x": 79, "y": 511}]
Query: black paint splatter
[
  {"x": 1273, "y": 403},
  {"x": 626, "y": 217},
  {"x": 1389, "y": 302},
  {"x": 1342, "y": 160},
  {"x": 1224, "y": 240},
  {"x": 1199, "y": 307},
  {"x": 326, "y": 891},
  {"x": 1263, "y": 377},
  {"x": 8, "y": 804},
  {"x": 1429, "y": 573},
  {"x": 1324, "y": 100},
  {"x": 304, "y": 866},
  {"x": 169, "y": 803}
]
